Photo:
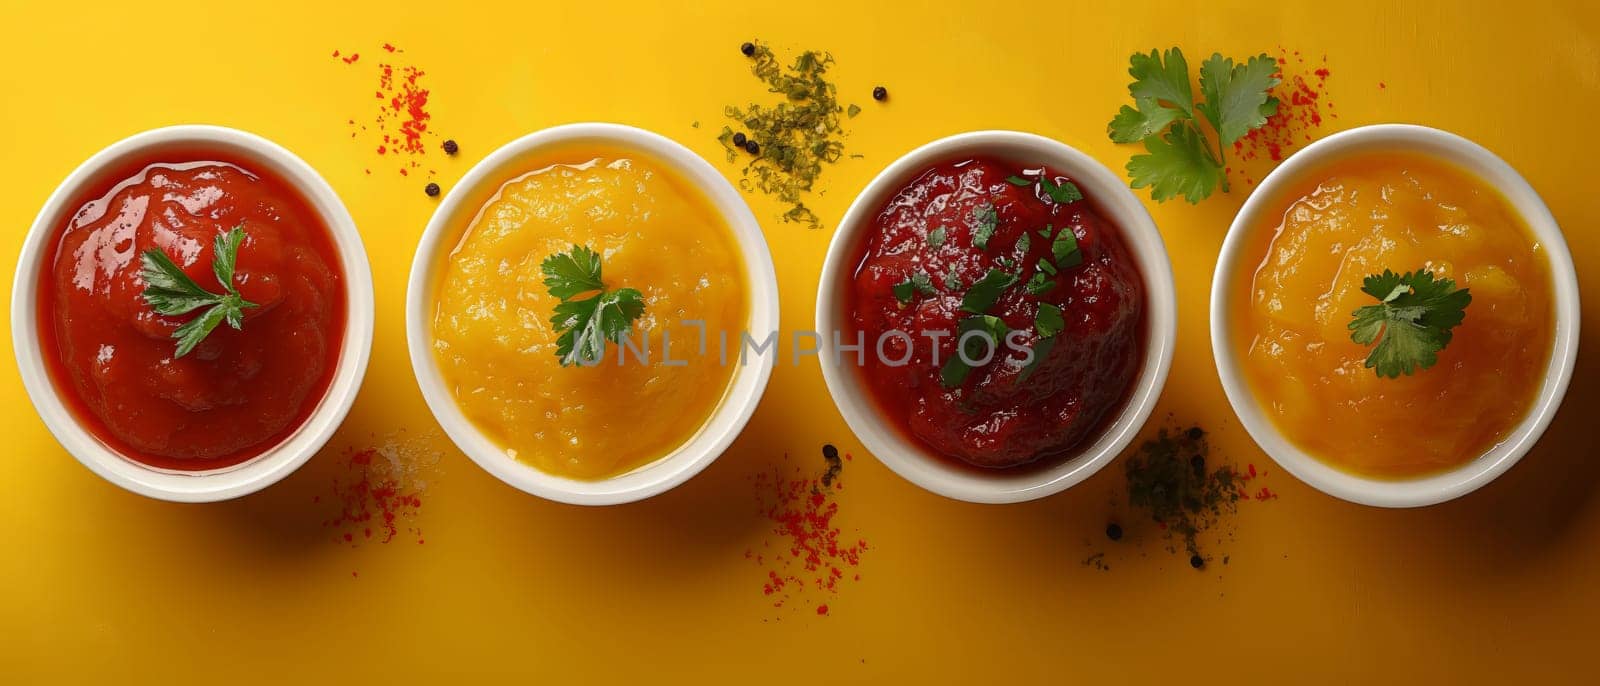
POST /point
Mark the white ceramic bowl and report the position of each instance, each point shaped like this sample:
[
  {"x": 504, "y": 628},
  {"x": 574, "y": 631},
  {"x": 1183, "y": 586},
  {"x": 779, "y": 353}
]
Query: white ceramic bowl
[
  {"x": 1477, "y": 160},
  {"x": 749, "y": 381},
  {"x": 276, "y": 463},
  {"x": 911, "y": 459}
]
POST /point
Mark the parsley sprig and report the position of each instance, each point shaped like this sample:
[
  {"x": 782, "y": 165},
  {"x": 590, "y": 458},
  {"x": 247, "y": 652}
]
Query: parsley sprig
[
  {"x": 1237, "y": 100},
  {"x": 585, "y": 324},
  {"x": 170, "y": 292},
  {"x": 1411, "y": 322}
]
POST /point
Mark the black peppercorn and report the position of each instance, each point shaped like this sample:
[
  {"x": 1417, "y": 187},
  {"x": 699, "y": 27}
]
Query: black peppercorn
[
  {"x": 829, "y": 452},
  {"x": 748, "y": 49},
  {"x": 450, "y": 147},
  {"x": 738, "y": 140},
  {"x": 1196, "y": 561},
  {"x": 1195, "y": 433},
  {"x": 880, "y": 93},
  {"x": 751, "y": 147},
  {"x": 431, "y": 189},
  {"x": 1113, "y": 532}
]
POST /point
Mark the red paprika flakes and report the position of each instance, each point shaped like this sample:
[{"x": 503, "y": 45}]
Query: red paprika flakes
[
  {"x": 401, "y": 123},
  {"x": 1302, "y": 107},
  {"x": 806, "y": 554},
  {"x": 378, "y": 492}
]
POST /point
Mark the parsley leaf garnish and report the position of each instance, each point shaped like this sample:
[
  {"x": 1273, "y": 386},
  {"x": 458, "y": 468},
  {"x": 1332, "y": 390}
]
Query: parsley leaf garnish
[
  {"x": 1048, "y": 321},
  {"x": 936, "y": 237},
  {"x": 1039, "y": 284},
  {"x": 1162, "y": 79},
  {"x": 586, "y": 324},
  {"x": 1411, "y": 322},
  {"x": 987, "y": 291},
  {"x": 1176, "y": 164},
  {"x": 985, "y": 220},
  {"x": 170, "y": 292},
  {"x": 1236, "y": 96},
  {"x": 917, "y": 283},
  {"x": 1060, "y": 193},
  {"x": 952, "y": 279},
  {"x": 1065, "y": 249},
  {"x": 1150, "y": 118},
  {"x": 955, "y": 370},
  {"x": 1179, "y": 160}
]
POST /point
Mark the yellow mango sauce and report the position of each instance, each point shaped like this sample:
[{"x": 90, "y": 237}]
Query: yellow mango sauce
[
  {"x": 1402, "y": 212},
  {"x": 496, "y": 347}
]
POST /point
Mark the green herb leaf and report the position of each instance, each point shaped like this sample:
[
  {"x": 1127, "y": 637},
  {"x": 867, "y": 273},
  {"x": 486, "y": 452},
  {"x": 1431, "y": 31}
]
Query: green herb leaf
[
  {"x": 1048, "y": 321},
  {"x": 985, "y": 220},
  {"x": 1411, "y": 322},
  {"x": 853, "y": 111},
  {"x": 952, "y": 280},
  {"x": 1040, "y": 284},
  {"x": 1162, "y": 80},
  {"x": 1177, "y": 164},
  {"x": 1236, "y": 95},
  {"x": 1134, "y": 124},
  {"x": 1065, "y": 249},
  {"x": 170, "y": 292},
  {"x": 1062, "y": 193},
  {"x": 917, "y": 283},
  {"x": 1180, "y": 160},
  {"x": 572, "y": 273},
  {"x": 987, "y": 291},
  {"x": 1024, "y": 244},
  {"x": 195, "y": 330},
  {"x": 1044, "y": 264},
  {"x": 225, "y": 253},
  {"x": 1019, "y": 180},
  {"x": 955, "y": 370},
  {"x": 585, "y": 325},
  {"x": 936, "y": 237}
]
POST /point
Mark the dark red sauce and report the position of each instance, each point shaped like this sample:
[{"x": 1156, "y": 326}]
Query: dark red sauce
[
  {"x": 998, "y": 417},
  {"x": 238, "y": 393}
]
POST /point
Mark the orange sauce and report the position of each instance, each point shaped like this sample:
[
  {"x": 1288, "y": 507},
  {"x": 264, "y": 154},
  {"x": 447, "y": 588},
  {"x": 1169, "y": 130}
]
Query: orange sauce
[{"x": 1402, "y": 212}]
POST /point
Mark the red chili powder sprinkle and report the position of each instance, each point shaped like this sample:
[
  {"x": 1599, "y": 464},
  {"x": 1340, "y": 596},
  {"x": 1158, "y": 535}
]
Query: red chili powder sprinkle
[
  {"x": 1302, "y": 99},
  {"x": 807, "y": 552},
  {"x": 378, "y": 493},
  {"x": 402, "y": 119}
]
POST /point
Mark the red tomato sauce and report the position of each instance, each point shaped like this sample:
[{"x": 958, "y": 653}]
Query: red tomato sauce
[
  {"x": 998, "y": 416},
  {"x": 238, "y": 393}
]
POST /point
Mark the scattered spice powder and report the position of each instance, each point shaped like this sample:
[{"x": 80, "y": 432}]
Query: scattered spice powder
[
  {"x": 379, "y": 491},
  {"x": 787, "y": 142},
  {"x": 1302, "y": 105},
  {"x": 808, "y": 553},
  {"x": 401, "y": 122},
  {"x": 1170, "y": 480}
]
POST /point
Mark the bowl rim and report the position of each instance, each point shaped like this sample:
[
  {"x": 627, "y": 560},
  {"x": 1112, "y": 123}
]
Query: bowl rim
[
  {"x": 745, "y": 390},
  {"x": 916, "y": 463},
  {"x": 1520, "y": 196},
  {"x": 314, "y": 432}
]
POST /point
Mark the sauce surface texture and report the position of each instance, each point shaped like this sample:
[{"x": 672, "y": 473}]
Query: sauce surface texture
[
  {"x": 238, "y": 393},
  {"x": 1401, "y": 212},
  {"x": 496, "y": 347},
  {"x": 998, "y": 416}
]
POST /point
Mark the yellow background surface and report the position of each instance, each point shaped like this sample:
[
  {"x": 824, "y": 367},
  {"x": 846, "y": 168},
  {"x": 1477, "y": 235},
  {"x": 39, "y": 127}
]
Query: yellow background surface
[{"x": 97, "y": 583}]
